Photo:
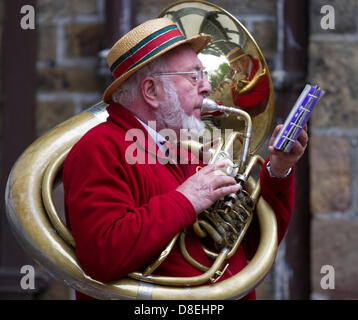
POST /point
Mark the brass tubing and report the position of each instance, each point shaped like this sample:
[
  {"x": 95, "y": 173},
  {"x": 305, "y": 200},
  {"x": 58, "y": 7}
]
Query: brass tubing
[
  {"x": 250, "y": 166},
  {"x": 47, "y": 185},
  {"x": 185, "y": 281},
  {"x": 241, "y": 236},
  {"x": 220, "y": 143},
  {"x": 199, "y": 232},
  {"x": 187, "y": 256},
  {"x": 247, "y": 136},
  {"x": 150, "y": 269},
  {"x": 254, "y": 190},
  {"x": 211, "y": 254},
  {"x": 211, "y": 230}
]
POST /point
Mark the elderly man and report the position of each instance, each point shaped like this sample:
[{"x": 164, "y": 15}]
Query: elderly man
[{"x": 122, "y": 214}]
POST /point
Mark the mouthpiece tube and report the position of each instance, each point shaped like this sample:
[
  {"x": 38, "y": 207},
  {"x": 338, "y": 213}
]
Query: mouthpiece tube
[{"x": 209, "y": 105}]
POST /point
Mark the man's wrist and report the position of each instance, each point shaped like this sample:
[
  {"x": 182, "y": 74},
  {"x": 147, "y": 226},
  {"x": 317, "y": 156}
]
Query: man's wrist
[{"x": 269, "y": 170}]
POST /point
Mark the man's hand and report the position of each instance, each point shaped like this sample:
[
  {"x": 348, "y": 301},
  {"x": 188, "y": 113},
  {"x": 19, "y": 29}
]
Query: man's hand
[
  {"x": 281, "y": 162},
  {"x": 207, "y": 186}
]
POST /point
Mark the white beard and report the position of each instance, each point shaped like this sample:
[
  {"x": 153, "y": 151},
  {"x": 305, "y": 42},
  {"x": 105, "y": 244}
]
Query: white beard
[{"x": 172, "y": 115}]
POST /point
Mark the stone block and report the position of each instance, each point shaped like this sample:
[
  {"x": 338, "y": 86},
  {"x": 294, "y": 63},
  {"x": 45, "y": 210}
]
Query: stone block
[
  {"x": 150, "y": 9},
  {"x": 48, "y": 10},
  {"x": 344, "y": 14},
  {"x": 247, "y": 6},
  {"x": 68, "y": 79},
  {"x": 265, "y": 36},
  {"x": 47, "y": 43},
  {"x": 84, "y": 40},
  {"x": 330, "y": 174},
  {"x": 146, "y": 10},
  {"x": 334, "y": 242},
  {"x": 51, "y": 113},
  {"x": 332, "y": 65}
]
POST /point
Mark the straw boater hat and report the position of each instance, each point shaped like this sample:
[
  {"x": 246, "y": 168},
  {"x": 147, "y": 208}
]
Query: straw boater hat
[{"x": 143, "y": 44}]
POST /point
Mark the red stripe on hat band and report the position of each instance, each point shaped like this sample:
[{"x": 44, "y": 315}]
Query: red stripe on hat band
[{"x": 143, "y": 51}]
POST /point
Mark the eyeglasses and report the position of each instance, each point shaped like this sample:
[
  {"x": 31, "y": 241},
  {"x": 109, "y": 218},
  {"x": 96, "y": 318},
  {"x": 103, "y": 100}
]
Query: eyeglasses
[{"x": 193, "y": 76}]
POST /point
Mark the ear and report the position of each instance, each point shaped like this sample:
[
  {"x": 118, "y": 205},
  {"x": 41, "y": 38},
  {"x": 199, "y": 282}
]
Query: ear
[{"x": 150, "y": 92}]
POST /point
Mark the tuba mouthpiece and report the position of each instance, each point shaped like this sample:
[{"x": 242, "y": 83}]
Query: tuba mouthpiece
[{"x": 209, "y": 105}]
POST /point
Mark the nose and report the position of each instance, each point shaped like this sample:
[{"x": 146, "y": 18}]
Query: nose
[{"x": 204, "y": 87}]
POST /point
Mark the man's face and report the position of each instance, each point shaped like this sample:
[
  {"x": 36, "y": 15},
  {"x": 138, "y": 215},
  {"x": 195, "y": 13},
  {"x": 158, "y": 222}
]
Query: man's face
[
  {"x": 241, "y": 65},
  {"x": 190, "y": 92},
  {"x": 172, "y": 115}
]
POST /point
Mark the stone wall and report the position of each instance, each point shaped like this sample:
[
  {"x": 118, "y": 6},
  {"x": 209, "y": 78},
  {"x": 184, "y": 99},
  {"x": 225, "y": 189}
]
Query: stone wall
[
  {"x": 71, "y": 34},
  {"x": 333, "y": 61}
]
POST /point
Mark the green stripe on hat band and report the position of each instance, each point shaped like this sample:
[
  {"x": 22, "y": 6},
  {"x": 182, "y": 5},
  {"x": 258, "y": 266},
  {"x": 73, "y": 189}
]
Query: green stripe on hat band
[
  {"x": 160, "y": 48},
  {"x": 141, "y": 44}
]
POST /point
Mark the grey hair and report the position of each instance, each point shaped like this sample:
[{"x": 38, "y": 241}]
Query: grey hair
[{"x": 128, "y": 91}]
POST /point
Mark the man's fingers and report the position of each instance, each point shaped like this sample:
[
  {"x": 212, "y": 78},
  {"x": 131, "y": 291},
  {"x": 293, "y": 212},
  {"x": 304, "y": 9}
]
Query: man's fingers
[
  {"x": 220, "y": 164},
  {"x": 277, "y": 130},
  {"x": 218, "y": 173},
  {"x": 220, "y": 181},
  {"x": 303, "y": 138},
  {"x": 223, "y": 191},
  {"x": 214, "y": 166},
  {"x": 275, "y": 134}
]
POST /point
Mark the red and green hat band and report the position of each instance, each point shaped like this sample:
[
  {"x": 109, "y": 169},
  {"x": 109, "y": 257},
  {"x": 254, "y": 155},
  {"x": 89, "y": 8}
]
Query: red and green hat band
[{"x": 147, "y": 48}]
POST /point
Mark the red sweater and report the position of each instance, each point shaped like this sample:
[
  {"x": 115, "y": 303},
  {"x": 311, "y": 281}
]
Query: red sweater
[{"x": 122, "y": 215}]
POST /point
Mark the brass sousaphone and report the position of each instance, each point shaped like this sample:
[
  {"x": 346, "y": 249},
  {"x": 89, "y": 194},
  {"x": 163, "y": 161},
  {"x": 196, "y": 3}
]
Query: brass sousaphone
[{"x": 236, "y": 68}]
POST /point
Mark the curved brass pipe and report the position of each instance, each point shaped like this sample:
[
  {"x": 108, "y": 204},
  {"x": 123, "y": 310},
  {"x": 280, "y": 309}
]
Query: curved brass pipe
[
  {"x": 185, "y": 281},
  {"x": 47, "y": 186}
]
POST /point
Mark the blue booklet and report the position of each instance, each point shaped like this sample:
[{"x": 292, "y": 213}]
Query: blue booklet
[{"x": 298, "y": 117}]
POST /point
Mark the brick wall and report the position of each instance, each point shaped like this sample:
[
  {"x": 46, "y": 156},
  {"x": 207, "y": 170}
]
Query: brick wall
[
  {"x": 71, "y": 33},
  {"x": 333, "y": 61}
]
